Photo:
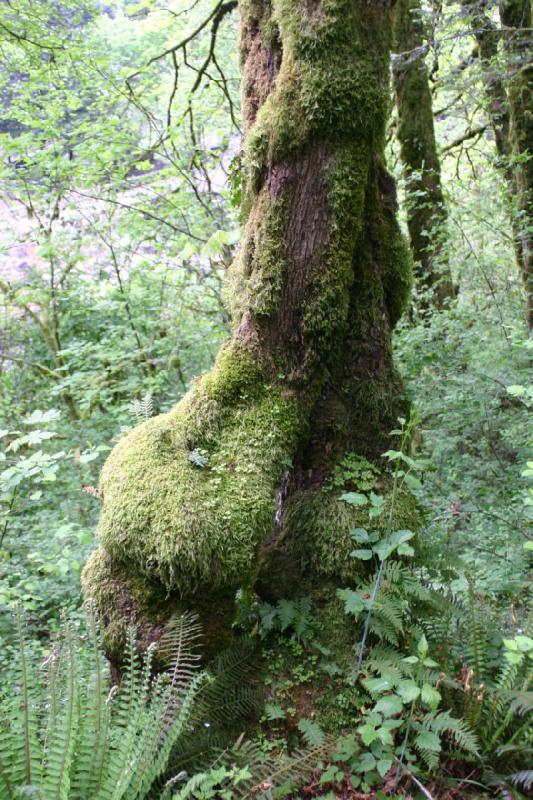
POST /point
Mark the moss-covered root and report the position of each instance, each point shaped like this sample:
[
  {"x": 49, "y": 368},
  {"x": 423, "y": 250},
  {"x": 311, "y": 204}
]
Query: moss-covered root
[
  {"x": 314, "y": 547},
  {"x": 123, "y": 599},
  {"x": 188, "y": 495}
]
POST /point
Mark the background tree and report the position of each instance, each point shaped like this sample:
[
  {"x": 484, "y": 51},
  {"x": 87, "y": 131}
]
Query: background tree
[
  {"x": 426, "y": 211},
  {"x": 322, "y": 276},
  {"x": 506, "y": 74}
]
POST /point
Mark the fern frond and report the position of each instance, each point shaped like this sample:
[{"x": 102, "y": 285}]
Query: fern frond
[
  {"x": 523, "y": 779},
  {"x": 62, "y": 738},
  {"x": 179, "y": 646},
  {"x": 142, "y": 409},
  {"x": 457, "y": 729},
  {"x": 521, "y": 703},
  {"x": 94, "y": 724},
  {"x": 280, "y": 772},
  {"x": 312, "y": 732},
  {"x": 232, "y": 691}
]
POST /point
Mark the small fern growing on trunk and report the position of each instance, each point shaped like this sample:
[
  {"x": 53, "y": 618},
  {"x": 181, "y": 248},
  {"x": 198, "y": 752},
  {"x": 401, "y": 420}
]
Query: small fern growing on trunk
[{"x": 64, "y": 735}]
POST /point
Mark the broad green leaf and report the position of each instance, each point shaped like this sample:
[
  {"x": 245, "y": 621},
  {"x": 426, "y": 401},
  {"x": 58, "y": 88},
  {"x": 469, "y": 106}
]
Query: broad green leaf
[
  {"x": 408, "y": 691},
  {"x": 389, "y": 705},
  {"x": 430, "y": 696},
  {"x": 355, "y": 498},
  {"x": 363, "y": 555}
]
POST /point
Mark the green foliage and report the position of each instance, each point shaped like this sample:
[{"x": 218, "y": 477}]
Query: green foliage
[
  {"x": 356, "y": 471},
  {"x": 288, "y": 615},
  {"x": 65, "y": 734}
]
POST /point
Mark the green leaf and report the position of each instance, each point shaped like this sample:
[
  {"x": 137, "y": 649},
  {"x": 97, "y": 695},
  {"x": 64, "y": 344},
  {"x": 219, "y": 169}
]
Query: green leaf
[
  {"x": 355, "y": 498},
  {"x": 430, "y": 696},
  {"x": 366, "y": 762},
  {"x": 378, "y": 685},
  {"x": 89, "y": 456},
  {"x": 408, "y": 691},
  {"x": 389, "y": 705},
  {"x": 422, "y": 646},
  {"x": 384, "y": 765},
  {"x": 368, "y": 733},
  {"x": 353, "y": 604},
  {"x": 39, "y": 417},
  {"x": 360, "y": 535},
  {"x": 363, "y": 555},
  {"x": 406, "y": 550},
  {"x": 389, "y": 544}
]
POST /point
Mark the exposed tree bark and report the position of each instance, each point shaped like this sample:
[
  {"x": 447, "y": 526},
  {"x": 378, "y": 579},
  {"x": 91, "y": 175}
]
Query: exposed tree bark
[
  {"x": 510, "y": 111},
  {"x": 426, "y": 211},
  {"x": 197, "y": 501}
]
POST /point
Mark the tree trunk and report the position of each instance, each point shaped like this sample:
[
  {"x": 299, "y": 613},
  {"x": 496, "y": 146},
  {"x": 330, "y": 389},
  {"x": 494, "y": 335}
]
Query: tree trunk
[
  {"x": 510, "y": 112},
  {"x": 196, "y": 501},
  {"x": 517, "y": 15},
  {"x": 426, "y": 212}
]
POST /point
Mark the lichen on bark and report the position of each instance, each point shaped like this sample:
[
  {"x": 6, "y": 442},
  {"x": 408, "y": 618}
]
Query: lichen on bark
[{"x": 322, "y": 275}]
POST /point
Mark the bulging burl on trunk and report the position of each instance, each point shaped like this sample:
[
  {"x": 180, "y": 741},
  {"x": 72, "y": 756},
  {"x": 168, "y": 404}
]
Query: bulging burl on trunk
[{"x": 200, "y": 501}]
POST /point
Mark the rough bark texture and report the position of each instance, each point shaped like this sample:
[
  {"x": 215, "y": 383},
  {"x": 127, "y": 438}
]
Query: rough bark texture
[
  {"x": 322, "y": 276},
  {"x": 510, "y": 111},
  {"x": 426, "y": 212}
]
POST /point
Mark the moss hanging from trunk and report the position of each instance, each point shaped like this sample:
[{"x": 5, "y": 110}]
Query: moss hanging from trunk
[
  {"x": 426, "y": 211},
  {"x": 192, "y": 497}
]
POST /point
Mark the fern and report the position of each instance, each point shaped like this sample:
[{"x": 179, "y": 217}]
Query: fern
[
  {"x": 142, "y": 409},
  {"x": 279, "y": 772},
  {"x": 312, "y": 732},
  {"x": 456, "y": 729},
  {"x": 67, "y": 737},
  {"x": 523, "y": 779}
]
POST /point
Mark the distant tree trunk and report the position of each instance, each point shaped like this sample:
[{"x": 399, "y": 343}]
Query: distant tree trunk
[
  {"x": 426, "y": 211},
  {"x": 195, "y": 501},
  {"x": 510, "y": 111},
  {"x": 517, "y": 15}
]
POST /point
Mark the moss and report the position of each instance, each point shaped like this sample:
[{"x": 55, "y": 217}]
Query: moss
[
  {"x": 319, "y": 524},
  {"x": 120, "y": 602},
  {"x": 122, "y": 598},
  {"x": 397, "y": 267},
  {"x": 312, "y": 553},
  {"x": 325, "y": 315},
  {"x": 186, "y": 525},
  {"x": 257, "y": 277},
  {"x": 329, "y": 84}
]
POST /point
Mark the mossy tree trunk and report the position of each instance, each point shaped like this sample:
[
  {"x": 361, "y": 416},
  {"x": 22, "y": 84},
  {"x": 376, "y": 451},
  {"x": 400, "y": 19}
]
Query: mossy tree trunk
[
  {"x": 426, "y": 211},
  {"x": 517, "y": 17},
  {"x": 195, "y": 500},
  {"x": 510, "y": 111}
]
